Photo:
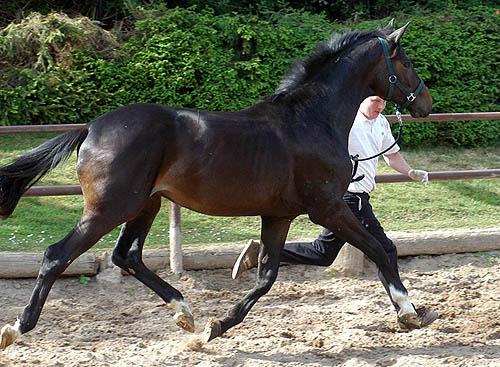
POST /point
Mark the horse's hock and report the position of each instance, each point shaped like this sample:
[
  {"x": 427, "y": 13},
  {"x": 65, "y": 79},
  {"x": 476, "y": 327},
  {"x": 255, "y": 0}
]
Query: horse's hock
[{"x": 349, "y": 261}]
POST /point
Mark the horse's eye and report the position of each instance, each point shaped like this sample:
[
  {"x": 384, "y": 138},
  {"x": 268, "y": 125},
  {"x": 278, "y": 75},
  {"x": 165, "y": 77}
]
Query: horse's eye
[{"x": 407, "y": 64}]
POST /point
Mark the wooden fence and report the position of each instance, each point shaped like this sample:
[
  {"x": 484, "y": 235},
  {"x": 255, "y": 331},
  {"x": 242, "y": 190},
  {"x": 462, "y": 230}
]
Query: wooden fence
[{"x": 350, "y": 260}]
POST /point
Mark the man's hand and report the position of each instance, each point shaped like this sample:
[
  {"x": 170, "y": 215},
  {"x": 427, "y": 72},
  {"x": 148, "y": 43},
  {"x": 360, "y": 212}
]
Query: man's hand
[{"x": 419, "y": 175}]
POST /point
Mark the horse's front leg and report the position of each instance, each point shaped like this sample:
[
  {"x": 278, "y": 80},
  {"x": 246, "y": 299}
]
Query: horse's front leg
[
  {"x": 273, "y": 235},
  {"x": 339, "y": 219}
]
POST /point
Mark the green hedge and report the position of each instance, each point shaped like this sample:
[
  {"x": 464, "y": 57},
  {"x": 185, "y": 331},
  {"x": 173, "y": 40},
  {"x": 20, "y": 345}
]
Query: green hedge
[{"x": 198, "y": 59}]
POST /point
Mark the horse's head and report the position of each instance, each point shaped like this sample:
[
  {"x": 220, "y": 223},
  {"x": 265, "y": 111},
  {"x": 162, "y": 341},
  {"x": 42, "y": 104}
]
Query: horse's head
[{"x": 394, "y": 77}]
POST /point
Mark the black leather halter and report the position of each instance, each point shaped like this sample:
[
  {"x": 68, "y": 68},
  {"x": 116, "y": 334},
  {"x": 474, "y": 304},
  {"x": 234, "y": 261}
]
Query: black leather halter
[{"x": 393, "y": 80}]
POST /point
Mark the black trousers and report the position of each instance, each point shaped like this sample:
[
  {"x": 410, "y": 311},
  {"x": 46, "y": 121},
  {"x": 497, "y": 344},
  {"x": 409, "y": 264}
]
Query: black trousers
[{"x": 323, "y": 250}]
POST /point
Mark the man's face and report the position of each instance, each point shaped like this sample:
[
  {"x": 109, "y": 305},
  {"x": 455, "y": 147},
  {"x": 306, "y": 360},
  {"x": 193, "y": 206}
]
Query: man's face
[{"x": 372, "y": 106}]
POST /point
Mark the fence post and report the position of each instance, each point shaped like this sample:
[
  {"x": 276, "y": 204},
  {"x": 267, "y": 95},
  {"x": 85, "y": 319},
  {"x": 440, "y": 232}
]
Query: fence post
[
  {"x": 349, "y": 261},
  {"x": 175, "y": 236}
]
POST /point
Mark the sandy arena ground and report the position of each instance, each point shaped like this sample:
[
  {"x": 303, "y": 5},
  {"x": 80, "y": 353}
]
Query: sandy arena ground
[{"x": 309, "y": 318}]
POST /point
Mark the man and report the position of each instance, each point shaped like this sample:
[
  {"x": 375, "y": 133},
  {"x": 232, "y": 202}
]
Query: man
[{"x": 370, "y": 135}]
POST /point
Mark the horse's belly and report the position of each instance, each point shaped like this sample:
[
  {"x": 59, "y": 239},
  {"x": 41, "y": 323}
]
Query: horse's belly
[{"x": 230, "y": 201}]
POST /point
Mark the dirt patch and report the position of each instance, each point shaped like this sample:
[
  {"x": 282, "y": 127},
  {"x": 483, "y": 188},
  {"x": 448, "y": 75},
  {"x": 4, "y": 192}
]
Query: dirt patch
[{"x": 309, "y": 318}]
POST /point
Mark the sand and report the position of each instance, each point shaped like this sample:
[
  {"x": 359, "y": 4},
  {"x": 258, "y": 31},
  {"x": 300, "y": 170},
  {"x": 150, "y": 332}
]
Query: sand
[{"x": 309, "y": 318}]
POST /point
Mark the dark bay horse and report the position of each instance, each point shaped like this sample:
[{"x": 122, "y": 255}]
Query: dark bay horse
[{"x": 284, "y": 156}]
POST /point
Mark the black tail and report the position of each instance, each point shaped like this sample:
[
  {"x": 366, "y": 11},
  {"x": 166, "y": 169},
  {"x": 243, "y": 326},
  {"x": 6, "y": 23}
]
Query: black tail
[{"x": 26, "y": 170}]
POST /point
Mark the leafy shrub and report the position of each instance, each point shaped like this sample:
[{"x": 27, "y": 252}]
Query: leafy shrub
[{"x": 42, "y": 42}]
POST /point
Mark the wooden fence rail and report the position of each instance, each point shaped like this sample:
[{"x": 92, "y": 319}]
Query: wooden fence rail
[
  {"x": 446, "y": 117},
  {"x": 436, "y": 117},
  {"x": 63, "y": 190}
]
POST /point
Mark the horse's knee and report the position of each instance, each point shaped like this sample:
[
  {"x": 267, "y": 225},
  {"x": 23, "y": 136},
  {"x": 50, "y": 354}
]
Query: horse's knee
[
  {"x": 265, "y": 281},
  {"x": 121, "y": 253},
  {"x": 263, "y": 287},
  {"x": 53, "y": 262}
]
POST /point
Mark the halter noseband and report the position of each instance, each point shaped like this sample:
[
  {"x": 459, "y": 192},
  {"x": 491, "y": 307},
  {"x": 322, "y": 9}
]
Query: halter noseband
[{"x": 393, "y": 79}]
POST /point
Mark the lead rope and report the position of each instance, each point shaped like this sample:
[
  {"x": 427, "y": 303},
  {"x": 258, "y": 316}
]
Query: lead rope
[{"x": 356, "y": 159}]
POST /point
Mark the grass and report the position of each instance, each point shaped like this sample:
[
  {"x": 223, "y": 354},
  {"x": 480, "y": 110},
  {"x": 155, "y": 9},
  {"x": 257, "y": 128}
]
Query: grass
[{"x": 41, "y": 221}]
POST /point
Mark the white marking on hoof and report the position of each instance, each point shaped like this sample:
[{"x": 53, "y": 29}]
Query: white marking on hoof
[
  {"x": 183, "y": 316},
  {"x": 9, "y": 334},
  {"x": 402, "y": 300}
]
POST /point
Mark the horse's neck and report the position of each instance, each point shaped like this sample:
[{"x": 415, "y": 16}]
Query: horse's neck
[{"x": 347, "y": 88}]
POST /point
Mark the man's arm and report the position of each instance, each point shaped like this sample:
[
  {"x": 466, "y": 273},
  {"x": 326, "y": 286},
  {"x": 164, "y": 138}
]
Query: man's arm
[{"x": 397, "y": 162}]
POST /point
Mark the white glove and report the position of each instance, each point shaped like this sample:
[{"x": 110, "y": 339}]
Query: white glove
[{"x": 419, "y": 175}]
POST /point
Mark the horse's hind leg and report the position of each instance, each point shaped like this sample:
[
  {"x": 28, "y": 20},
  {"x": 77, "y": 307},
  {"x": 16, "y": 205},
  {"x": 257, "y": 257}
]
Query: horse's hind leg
[
  {"x": 56, "y": 259},
  {"x": 273, "y": 236},
  {"x": 128, "y": 256},
  {"x": 339, "y": 219}
]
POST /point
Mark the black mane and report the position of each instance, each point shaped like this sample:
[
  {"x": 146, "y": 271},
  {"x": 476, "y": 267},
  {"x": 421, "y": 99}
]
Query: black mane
[{"x": 303, "y": 70}]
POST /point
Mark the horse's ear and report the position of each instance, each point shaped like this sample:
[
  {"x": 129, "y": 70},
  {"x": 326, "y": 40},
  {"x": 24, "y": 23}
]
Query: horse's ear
[
  {"x": 389, "y": 28},
  {"x": 394, "y": 37}
]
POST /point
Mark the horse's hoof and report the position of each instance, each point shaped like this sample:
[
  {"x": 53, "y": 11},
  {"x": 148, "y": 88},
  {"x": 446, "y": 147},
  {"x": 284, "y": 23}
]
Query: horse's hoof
[
  {"x": 426, "y": 316},
  {"x": 9, "y": 335},
  {"x": 183, "y": 316},
  {"x": 185, "y": 321},
  {"x": 409, "y": 321},
  {"x": 213, "y": 329}
]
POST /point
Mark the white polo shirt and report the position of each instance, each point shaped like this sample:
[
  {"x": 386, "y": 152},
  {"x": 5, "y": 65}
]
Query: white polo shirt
[{"x": 367, "y": 138}]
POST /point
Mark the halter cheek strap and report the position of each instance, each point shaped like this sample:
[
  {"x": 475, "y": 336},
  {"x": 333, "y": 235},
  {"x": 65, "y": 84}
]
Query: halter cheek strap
[{"x": 393, "y": 79}]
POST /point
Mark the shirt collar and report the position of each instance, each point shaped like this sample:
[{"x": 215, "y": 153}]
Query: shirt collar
[{"x": 362, "y": 118}]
